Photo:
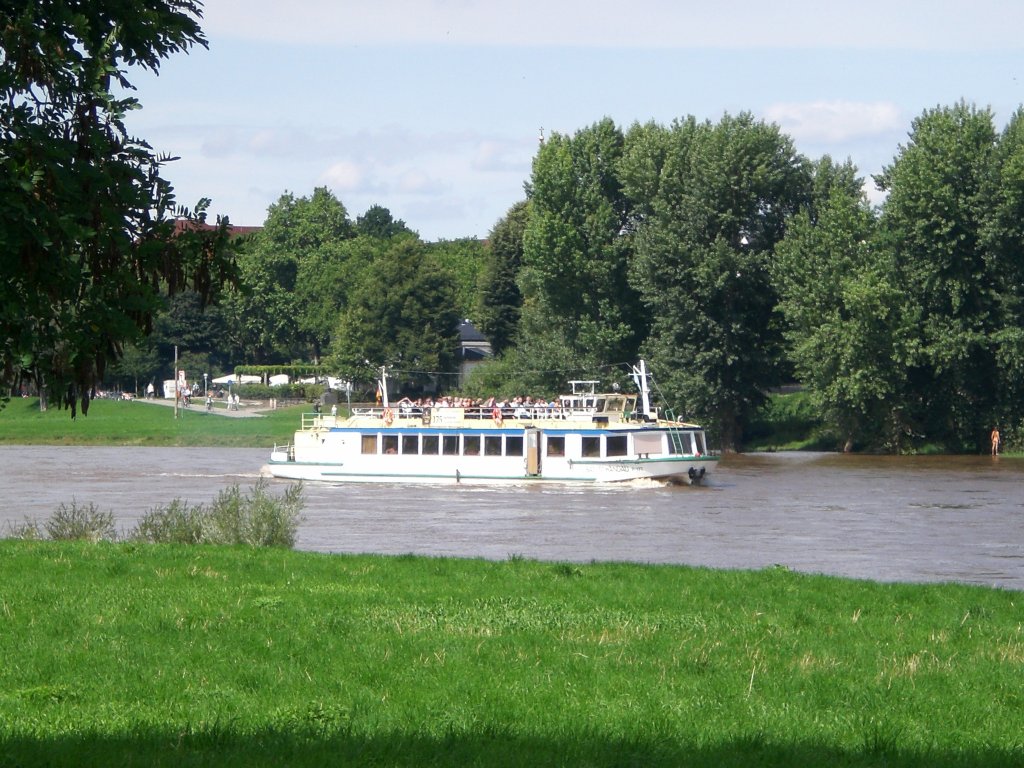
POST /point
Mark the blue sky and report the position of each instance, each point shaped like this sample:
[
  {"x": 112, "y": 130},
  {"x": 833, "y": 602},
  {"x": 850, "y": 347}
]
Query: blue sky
[{"x": 432, "y": 108}]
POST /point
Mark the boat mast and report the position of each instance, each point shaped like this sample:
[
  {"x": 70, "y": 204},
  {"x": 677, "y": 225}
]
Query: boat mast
[
  {"x": 383, "y": 384},
  {"x": 640, "y": 376}
]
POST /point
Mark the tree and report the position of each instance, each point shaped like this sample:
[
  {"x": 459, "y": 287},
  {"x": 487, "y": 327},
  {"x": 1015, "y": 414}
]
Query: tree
[
  {"x": 576, "y": 249},
  {"x": 844, "y": 312},
  {"x": 294, "y": 278},
  {"x": 87, "y": 230},
  {"x": 500, "y": 301},
  {"x": 721, "y": 197},
  {"x": 400, "y": 313},
  {"x": 463, "y": 261},
  {"x": 378, "y": 222},
  {"x": 137, "y": 364},
  {"x": 934, "y": 219},
  {"x": 1003, "y": 236},
  {"x": 260, "y": 315}
]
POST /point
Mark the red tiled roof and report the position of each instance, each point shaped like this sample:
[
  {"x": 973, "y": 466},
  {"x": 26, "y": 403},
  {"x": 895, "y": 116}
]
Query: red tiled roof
[{"x": 182, "y": 225}]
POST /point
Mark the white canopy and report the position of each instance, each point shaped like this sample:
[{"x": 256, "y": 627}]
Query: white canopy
[{"x": 240, "y": 379}]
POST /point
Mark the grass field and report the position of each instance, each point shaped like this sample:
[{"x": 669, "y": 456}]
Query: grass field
[
  {"x": 159, "y": 655},
  {"x": 118, "y": 422}
]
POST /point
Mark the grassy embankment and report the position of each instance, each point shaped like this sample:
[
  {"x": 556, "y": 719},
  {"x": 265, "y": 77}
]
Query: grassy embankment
[
  {"x": 131, "y": 654},
  {"x": 116, "y": 422}
]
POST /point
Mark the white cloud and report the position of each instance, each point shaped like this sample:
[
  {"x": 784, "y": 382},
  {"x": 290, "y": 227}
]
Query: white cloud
[
  {"x": 837, "y": 121},
  {"x": 503, "y": 156},
  {"x": 909, "y": 24},
  {"x": 345, "y": 176},
  {"x": 416, "y": 182}
]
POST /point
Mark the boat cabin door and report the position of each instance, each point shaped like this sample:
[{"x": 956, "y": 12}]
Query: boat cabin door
[{"x": 532, "y": 452}]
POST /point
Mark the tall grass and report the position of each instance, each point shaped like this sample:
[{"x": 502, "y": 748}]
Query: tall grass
[
  {"x": 255, "y": 518},
  {"x": 121, "y": 654}
]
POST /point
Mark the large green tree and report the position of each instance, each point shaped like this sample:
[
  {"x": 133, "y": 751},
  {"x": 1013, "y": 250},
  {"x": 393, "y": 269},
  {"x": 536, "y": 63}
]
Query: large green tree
[
  {"x": 576, "y": 249},
  {"x": 934, "y": 219},
  {"x": 500, "y": 299},
  {"x": 711, "y": 202},
  {"x": 462, "y": 260},
  {"x": 845, "y": 317},
  {"x": 294, "y": 277},
  {"x": 87, "y": 239},
  {"x": 400, "y": 313},
  {"x": 378, "y": 222},
  {"x": 1003, "y": 236}
]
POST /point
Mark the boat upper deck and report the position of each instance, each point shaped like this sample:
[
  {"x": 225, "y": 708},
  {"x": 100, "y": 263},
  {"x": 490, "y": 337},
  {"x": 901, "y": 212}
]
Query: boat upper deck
[{"x": 598, "y": 412}]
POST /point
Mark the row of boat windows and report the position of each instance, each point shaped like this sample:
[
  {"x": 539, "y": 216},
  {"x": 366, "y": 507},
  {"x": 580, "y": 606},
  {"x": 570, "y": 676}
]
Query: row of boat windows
[{"x": 487, "y": 445}]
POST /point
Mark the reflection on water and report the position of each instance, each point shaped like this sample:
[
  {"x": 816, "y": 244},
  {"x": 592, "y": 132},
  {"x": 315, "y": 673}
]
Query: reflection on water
[{"x": 886, "y": 518}]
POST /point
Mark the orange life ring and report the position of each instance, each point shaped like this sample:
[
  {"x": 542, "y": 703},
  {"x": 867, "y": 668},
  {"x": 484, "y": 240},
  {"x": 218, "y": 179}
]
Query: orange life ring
[
  {"x": 389, "y": 416},
  {"x": 498, "y": 419}
]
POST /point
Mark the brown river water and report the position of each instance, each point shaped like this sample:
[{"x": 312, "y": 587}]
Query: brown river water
[{"x": 912, "y": 519}]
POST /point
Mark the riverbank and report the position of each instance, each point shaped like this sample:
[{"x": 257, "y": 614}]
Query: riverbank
[
  {"x": 148, "y": 423},
  {"x": 171, "y": 655}
]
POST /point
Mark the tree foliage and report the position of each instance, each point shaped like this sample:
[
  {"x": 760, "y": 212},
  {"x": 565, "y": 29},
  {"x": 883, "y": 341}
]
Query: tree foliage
[
  {"x": 934, "y": 220},
  {"x": 401, "y": 313},
  {"x": 87, "y": 230},
  {"x": 577, "y": 236},
  {"x": 463, "y": 261},
  {"x": 712, "y": 201},
  {"x": 500, "y": 300},
  {"x": 844, "y": 311}
]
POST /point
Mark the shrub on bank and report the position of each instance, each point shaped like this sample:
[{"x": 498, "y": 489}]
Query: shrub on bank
[
  {"x": 255, "y": 519},
  {"x": 76, "y": 522}
]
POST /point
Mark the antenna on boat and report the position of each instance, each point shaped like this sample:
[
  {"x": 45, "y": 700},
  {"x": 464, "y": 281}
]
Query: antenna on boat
[
  {"x": 383, "y": 386},
  {"x": 640, "y": 378}
]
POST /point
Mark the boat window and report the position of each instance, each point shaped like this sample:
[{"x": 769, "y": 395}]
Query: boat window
[
  {"x": 616, "y": 445},
  {"x": 648, "y": 443},
  {"x": 471, "y": 445},
  {"x": 430, "y": 444},
  {"x": 556, "y": 446},
  {"x": 389, "y": 443},
  {"x": 410, "y": 443},
  {"x": 698, "y": 438},
  {"x": 492, "y": 445},
  {"x": 591, "y": 447},
  {"x": 513, "y": 446},
  {"x": 451, "y": 445},
  {"x": 369, "y": 443},
  {"x": 679, "y": 442}
]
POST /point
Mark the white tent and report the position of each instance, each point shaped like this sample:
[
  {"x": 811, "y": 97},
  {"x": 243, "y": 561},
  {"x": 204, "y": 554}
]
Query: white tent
[
  {"x": 279, "y": 380},
  {"x": 240, "y": 379}
]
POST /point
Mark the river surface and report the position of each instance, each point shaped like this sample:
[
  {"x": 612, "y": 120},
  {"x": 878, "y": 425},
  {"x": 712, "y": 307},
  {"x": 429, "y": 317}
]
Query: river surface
[{"x": 914, "y": 519}]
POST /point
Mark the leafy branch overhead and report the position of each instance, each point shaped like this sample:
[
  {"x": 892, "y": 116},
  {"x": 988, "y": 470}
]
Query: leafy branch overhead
[{"x": 89, "y": 240}]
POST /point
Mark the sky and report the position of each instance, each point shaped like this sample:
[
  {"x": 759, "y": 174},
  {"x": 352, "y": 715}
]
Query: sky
[{"x": 434, "y": 108}]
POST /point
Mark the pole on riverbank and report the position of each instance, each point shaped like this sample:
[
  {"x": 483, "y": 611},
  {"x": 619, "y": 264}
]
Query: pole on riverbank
[{"x": 177, "y": 391}]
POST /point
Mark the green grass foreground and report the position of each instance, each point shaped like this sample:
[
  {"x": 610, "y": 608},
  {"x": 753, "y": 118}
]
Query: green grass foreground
[
  {"x": 119, "y": 422},
  {"x": 161, "y": 655}
]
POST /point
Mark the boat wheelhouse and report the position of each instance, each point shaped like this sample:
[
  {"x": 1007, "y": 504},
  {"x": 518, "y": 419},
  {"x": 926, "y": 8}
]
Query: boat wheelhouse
[{"x": 583, "y": 437}]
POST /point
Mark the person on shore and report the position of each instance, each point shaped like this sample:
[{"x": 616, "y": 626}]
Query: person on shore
[{"x": 995, "y": 441}]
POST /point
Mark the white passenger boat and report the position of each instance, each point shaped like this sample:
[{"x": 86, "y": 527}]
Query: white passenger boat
[{"x": 583, "y": 437}]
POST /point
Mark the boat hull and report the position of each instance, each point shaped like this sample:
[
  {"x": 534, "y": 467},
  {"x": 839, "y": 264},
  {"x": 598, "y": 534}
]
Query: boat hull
[{"x": 682, "y": 470}]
